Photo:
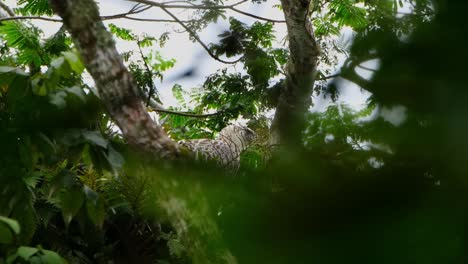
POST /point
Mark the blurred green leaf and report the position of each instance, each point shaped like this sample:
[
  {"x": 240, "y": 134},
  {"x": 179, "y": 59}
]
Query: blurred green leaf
[
  {"x": 71, "y": 201},
  {"x": 95, "y": 138},
  {"x": 51, "y": 257},
  {"x": 11, "y": 223},
  {"x": 26, "y": 252},
  {"x": 96, "y": 212}
]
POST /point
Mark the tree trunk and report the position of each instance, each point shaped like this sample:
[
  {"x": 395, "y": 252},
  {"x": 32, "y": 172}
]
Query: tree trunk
[
  {"x": 115, "y": 85},
  {"x": 295, "y": 95}
]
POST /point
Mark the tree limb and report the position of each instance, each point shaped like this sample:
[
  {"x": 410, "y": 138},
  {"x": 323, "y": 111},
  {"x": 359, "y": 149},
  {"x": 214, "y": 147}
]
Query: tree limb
[
  {"x": 30, "y": 17},
  {"x": 7, "y": 9},
  {"x": 113, "y": 81},
  {"x": 296, "y": 95}
]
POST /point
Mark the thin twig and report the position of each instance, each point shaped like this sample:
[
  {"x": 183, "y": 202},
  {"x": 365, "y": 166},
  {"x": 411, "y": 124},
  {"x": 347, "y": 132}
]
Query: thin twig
[
  {"x": 195, "y": 36},
  {"x": 151, "y": 19},
  {"x": 161, "y": 5},
  {"x": 188, "y": 114},
  {"x": 30, "y": 17},
  {"x": 255, "y": 16},
  {"x": 175, "y": 2},
  {"x": 238, "y": 3},
  {"x": 103, "y": 18},
  {"x": 136, "y": 9},
  {"x": 153, "y": 89},
  {"x": 208, "y": 7},
  {"x": 366, "y": 68},
  {"x": 328, "y": 77}
]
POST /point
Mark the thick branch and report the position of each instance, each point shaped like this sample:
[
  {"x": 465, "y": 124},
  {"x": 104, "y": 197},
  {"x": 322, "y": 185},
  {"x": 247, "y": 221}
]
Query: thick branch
[
  {"x": 114, "y": 83},
  {"x": 295, "y": 96},
  {"x": 7, "y": 9}
]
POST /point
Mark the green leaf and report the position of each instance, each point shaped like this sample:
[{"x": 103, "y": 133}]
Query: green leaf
[
  {"x": 26, "y": 252},
  {"x": 178, "y": 93},
  {"x": 280, "y": 55},
  {"x": 96, "y": 211},
  {"x": 161, "y": 63},
  {"x": 58, "y": 99},
  {"x": 26, "y": 39},
  {"x": 74, "y": 61},
  {"x": 8, "y": 227},
  {"x": 25, "y": 214},
  {"x": 39, "y": 86},
  {"x": 86, "y": 156},
  {"x": 122, "y": 33},
  {"x": 47, "y": 140},
  {"x": 95, "y": 138},
  {"x": 35, "y": 260},
  {"x": 32, "y": 179},
  {"x": 57, "y": 62},
  {"x": 11, "y": 223},
  {"x": 51, "y": 257},
  {"x": 70, "y": 202},
  {"x": 147, "y": 41},
  {"x": 90, "y": 194},
  {"x": 77, "y": 91},
  {"x": 8, "y": 69},
  {"x": 20, "y": 36},
  {"x": 35, "y": 7},
  {"x": 6, "y": 236},
  {"x": 40, "y": 90},
  {"x": 62, "y": 178},
  {"x": 346, "y": 13},
  {"x": 35, "y": 255},
  {"x": 115, "y": 159}
]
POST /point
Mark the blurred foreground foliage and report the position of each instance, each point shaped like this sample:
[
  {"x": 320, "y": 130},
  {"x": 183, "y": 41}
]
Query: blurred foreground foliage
[{"x": 363, "y": 189}]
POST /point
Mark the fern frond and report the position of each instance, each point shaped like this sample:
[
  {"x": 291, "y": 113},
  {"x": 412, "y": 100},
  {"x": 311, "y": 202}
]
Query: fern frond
[
  {"x": 346, "y": 13},
  {"x": 18, "y": 35},
  {"x": 25, "y": 39},
  {"x": 35, "y": 7}
]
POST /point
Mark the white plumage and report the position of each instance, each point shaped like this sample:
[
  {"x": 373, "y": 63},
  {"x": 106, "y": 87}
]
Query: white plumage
[{"x": 225, "y": 149}]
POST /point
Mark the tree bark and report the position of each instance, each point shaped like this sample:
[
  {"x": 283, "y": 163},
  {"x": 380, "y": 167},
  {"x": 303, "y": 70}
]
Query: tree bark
[
  {"x": 295, "y": 96},
  {"x": 115, "y": 85}
]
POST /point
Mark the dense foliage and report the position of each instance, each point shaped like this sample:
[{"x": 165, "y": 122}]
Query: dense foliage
[{"x": 364, "y": 188}]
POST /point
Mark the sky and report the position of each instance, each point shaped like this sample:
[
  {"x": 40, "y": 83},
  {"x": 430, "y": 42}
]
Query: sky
[{"x": 191, "y": 56}]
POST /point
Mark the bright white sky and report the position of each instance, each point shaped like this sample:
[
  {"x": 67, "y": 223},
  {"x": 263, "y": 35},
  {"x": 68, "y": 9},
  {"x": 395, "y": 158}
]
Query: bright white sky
[{"x": 188, "y": 54}]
